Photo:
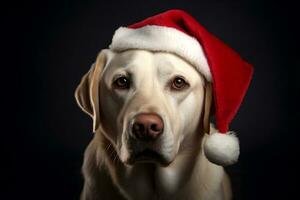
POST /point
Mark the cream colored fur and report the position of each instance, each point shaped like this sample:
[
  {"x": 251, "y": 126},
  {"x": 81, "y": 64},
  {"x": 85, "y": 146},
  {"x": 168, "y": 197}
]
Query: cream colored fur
[{"x": 107, "y": 174}]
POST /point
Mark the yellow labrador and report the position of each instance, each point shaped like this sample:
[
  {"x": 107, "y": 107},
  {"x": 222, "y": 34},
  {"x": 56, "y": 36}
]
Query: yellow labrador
[{"x": 150, "y": 111}]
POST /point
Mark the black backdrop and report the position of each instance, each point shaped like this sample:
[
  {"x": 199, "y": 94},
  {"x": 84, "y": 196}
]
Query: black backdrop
[{"x": 48, "y": 45}]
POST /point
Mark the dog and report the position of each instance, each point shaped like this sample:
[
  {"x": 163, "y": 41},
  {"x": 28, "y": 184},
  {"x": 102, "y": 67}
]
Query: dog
[{"x": 150, "y": 114}]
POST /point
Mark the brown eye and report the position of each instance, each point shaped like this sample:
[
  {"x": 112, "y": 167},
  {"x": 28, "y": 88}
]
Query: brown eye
[
  {"x": 179, "y": 83},
  {"x": 122, "y": 83}
]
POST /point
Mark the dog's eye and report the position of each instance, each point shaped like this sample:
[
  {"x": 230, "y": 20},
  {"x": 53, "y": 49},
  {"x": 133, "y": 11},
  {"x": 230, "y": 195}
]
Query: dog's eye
[
  {"x": 122, "y": 83},
  {"x": 179, "y": 83}
]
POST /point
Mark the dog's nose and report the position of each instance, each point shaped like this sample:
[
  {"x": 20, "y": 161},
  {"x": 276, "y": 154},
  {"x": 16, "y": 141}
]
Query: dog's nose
[{"x": 147, "y": 127}]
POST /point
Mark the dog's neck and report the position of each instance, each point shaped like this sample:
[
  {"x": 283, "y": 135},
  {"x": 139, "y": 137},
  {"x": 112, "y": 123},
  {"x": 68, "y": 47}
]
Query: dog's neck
[{"x": 189, "y": 171}]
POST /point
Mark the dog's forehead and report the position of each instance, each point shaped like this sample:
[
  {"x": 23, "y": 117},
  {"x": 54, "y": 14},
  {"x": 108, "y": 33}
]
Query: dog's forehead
[
  {"x": 161, "y": 64},
  {"x": 130, "y": 59}
]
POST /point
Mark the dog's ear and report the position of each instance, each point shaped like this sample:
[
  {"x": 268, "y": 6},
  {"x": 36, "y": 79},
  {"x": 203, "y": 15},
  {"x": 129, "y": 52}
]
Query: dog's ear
[
  {"x": 207, "y": 107},
  {"x": 87, "y": 92}
]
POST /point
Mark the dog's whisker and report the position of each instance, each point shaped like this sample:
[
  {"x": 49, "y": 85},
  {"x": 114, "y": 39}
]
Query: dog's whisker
[
  {"x": 108, "y": 147},
  {"x": 115, "y": 158}
]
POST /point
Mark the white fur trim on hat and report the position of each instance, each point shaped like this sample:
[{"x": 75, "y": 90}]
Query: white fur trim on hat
[
  {"x": 222, "y": 149},
  {"x": 161, "y": 38}
]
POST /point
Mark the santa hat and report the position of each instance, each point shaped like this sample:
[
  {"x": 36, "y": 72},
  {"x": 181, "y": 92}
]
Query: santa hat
[{"x": 177, "y": 32}]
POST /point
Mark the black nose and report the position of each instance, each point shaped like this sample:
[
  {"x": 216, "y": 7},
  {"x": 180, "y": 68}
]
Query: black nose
[{"x": 147, "y": 127}]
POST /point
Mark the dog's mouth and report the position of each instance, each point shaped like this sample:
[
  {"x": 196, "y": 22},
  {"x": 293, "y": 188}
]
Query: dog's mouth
[{"x": 148, "y": 156}]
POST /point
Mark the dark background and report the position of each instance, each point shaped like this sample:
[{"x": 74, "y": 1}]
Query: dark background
[{"x": 48, "y": 45}]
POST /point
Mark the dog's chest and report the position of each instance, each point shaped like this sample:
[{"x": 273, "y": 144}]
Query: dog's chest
[{"x": 153, "y": 183}]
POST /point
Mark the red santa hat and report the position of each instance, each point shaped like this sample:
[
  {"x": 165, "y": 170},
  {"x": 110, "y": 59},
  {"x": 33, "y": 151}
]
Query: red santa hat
[{"x": 177, "y": 32}]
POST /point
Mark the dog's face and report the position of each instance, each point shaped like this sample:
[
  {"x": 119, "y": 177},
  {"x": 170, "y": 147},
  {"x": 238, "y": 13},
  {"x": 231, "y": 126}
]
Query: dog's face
[{"x": 149, "y": 103}]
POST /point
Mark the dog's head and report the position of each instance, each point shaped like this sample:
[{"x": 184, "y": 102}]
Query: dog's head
[{"x": 148, "y": 105}]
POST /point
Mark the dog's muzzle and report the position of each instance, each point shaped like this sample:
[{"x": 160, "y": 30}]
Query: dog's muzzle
[{"x": 145, "y": 132}]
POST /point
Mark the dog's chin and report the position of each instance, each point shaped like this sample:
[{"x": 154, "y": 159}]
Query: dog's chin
[{"x": 148, "y": 156}]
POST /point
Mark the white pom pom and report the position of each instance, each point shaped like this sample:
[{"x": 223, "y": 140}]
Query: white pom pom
[{"x": 222, "y": 149}]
